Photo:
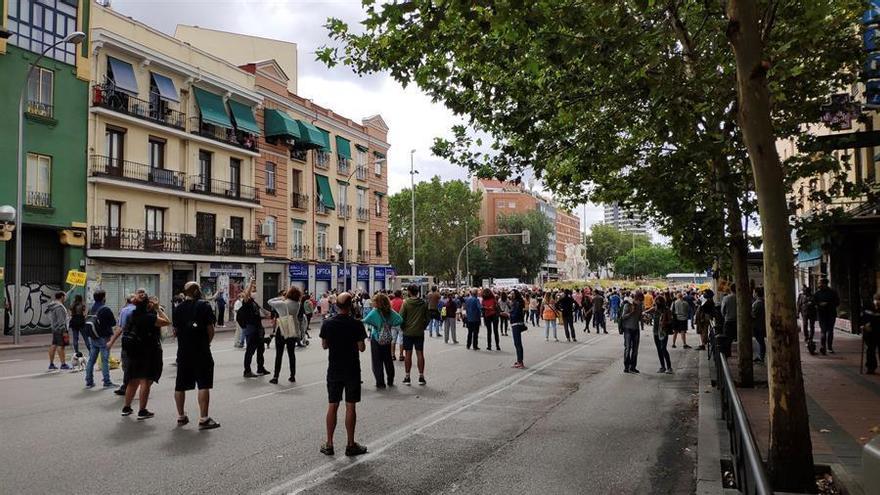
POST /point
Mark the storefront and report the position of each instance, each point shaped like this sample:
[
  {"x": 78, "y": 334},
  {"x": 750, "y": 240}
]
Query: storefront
[
  {"x": 230, "y": 277},
  {"x": 343, "y": 277},
  {"x": 323, "y": 277},
  {"x": 363, "y": 278},
  {"x": 379, "y": 273},
  {"x": 298, "y": 274}
]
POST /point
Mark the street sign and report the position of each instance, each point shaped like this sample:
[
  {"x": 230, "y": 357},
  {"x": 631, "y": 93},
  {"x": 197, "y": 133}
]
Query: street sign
[
  {"x": 76, "y": 278},
  {"x": 526, "y": 236}
]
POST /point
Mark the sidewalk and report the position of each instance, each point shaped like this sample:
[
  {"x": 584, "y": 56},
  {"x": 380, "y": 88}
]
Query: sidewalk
[
  {"x": 42, "y": 340},
  {"x": 843, "y": 405}
]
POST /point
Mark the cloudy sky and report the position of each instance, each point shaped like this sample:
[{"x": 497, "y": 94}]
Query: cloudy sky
[{"x": 414, "y": 120}]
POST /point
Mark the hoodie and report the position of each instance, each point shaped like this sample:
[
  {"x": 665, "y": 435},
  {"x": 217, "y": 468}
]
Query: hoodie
[
  {"x": 415, "y": 317},
  {"x": 57, "y": 314}
]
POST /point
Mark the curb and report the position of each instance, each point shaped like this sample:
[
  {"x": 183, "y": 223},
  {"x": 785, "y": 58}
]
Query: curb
[{"x": 712, "y": 442}]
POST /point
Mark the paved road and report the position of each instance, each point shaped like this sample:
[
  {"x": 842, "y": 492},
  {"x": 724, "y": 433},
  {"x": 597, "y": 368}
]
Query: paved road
[{"x": 571, "y": 422}]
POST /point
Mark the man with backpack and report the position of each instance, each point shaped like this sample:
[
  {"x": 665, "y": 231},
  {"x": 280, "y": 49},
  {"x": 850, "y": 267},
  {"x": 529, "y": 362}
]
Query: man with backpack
[
  {"x": 99, "y": 325},
  {"x": 193, "y": 322}
]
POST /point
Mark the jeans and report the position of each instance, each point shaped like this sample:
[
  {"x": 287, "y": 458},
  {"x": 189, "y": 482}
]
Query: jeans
[
  {"x": 98, "y": 345},
  {"x": 547, "y": 325},
  {"x": 662, "y": 352},
  {"x": 280, "y": 344},
  {"x": 504, "y": 323},
  {"x": 809, "y": 328},
  {"x": 614, "y": 311},
  {"x": 533, "y": 317},
  {"x": 221, "y": 312},
  {"x": 254, "y": 337},
  {"x": 75, "y": 332},
  {"x": 449, "y": 330},
  {"x": 762, "y": 346},
  {"x": 238, "y": 338},
  {"x": 599, "y": 321},
  {"x": 473, "y": 328},
  {"x": 630, "y": 348},
  {"x": 491, "y": 323},
  {"x": 826, "y": 325},
  {"x": 381, "y": 359},
  {"x": 434, "y": 327},
  {"x": 568, "y": 323},
  {"x": 517, "y": 331}
]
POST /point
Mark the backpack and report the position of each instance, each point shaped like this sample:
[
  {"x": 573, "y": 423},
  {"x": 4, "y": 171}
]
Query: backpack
[
  {"x": 385, "y": 336},
  {"x": 92, "y": 325}
]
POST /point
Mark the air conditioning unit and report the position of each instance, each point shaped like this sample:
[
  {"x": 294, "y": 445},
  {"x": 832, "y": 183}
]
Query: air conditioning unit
[
  {"x": 265, "y": 230},
  {"x": 227, "y": 234}
]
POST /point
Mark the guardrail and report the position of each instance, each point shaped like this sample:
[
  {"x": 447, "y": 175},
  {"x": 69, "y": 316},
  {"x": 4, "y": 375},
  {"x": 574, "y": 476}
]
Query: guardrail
[{"x": 748, "y": 467}]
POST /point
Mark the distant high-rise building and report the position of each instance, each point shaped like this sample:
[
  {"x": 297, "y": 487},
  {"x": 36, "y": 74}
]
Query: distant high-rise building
[{"x": 625, "y": 219}]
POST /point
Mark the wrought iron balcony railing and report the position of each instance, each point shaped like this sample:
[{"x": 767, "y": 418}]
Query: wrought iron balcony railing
[
  {"x": 40, "y": 109},
  {"x": 155, "y": 110},
  {"x": 299, "y": 251},
  {"x": 361, "y": 172},
  {"x": 342, "y": 165},
  {"x": 324, "y": 253},
  {"x": 38, "y": 199},
  {"x": 363, "y": 214},
  {"x": 167, "y": 242},
  {"x": 243, "y": 140},
  {"x": 322, "y": 160},
  {"x": 298, "y": 154},
  {"x": 105, "y": 166},
  {"x": 216, "y": 187},
  {"x": 363, "y": 256},
  {"x": 322, "y": 209},
  {"x": 299, "y": 201},
  {"x": 343, "y": 211}
]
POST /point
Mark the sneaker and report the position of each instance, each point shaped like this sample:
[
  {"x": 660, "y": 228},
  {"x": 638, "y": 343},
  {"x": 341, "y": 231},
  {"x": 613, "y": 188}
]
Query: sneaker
[
  {"x": 406, "y": 380},
  {"x": 274, "y": 381},
  {"x": 356, "y": 449},
  {"x": 701, "y": 348},
  {"x": 208, "y": 424},
  {"x": 90, "y": 385},
  {"x": 574, "y": 340},
  {"x": 661, "y": 370},
  {"x": 291, "y": 379},
  {"x": 634, "y": 371},
  {"x": 626, "y": 370},
  {"x": 182, "y": 420},
  {"x": 497, "y": 348},
  {"x": 119, "y": 391},
  {"x": 830, "y": 351},
  {"x": 65, "y": 366},
  {"x": 52, "y": 367},
  {"x": 327, "y": 449},
  {"x": 264, "y": 372},
  {"x": 144, "y": 414},
  {"x": 422, "y": 380},
  {"x": 669, "y": 371},
  {"x": 109, "y": 385},
  {"x": 686, "y": 346},
  {"x": 250, "y": 374},
  {"x": 673, "y": 346},
  {"x": 126, "y": 411}
]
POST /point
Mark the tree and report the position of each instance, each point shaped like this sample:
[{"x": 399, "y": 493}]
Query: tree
[
  {"x": 605, "y": 244},
  {"x": 649, "y": 261},
  {"x": 445, "y": 213},
  {"x": 636, "y": 100},
  {"x": 509, "y": 257}
]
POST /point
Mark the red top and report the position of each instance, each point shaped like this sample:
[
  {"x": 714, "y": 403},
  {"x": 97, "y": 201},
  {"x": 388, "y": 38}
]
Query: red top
[
  {"x": 396, "y": 304},
  {"x": 490, "y": 306}
]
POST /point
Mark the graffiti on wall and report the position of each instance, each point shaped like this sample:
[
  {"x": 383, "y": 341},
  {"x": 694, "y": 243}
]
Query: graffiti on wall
[{"x": 34, "y": 299}]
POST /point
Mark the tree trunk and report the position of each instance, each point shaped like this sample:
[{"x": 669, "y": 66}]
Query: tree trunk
[
  {"x": 739, "y": 259},
  {"x": 790, "y": 459}
]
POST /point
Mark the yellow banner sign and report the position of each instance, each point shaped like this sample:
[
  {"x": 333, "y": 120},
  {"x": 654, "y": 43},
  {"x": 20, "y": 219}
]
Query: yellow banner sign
[{"x": 76, "y": 278}]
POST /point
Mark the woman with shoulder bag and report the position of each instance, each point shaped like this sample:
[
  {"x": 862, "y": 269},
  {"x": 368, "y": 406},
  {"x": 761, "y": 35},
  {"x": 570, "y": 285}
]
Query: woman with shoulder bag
[
  {"x": 288, "y": 329},
  {"x": 142, "y": 345},
  {"x": 380, "y": 320},
  {"x": 549, "y": 315},
  {"x": 517, "y": 325}
]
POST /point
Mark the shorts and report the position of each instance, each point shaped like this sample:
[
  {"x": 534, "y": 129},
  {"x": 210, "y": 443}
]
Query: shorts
[
  {"x": 194, "y": 373},
  {"x": 58, "y": 338},
  {"x": 410, "y": 342},
  {"x": 396, "y": 335},
  {"x": 679, "y": 326},
  {"x": 352, "y": 389}
]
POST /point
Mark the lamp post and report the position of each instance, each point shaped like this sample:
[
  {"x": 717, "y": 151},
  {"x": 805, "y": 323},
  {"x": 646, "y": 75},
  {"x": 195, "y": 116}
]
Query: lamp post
[
  {"x": 75, "y": 38},
  {"x": 338, "y": 250},
  {"x": 412, "y": 185}
]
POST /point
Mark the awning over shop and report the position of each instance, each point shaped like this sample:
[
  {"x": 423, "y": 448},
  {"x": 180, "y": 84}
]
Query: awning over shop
[
  {"x": 343, "y": 147},
  {"x": 279, "y": 123},
  {"x": 165, "y": 86},
  {"x": 325, "y": 194},
  {"x": 810, "y": 256},
  {"x": 212, "y": 108},
  {"x": 310, "y": 136},
  {"x": 123, "y": 76},
  {"x": 244, "y": 117}
]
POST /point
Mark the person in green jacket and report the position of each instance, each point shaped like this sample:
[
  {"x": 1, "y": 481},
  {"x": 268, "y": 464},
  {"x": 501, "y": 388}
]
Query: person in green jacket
[
  {"x": 415, "y": 320},
  {"x": 379, "y": 321}
]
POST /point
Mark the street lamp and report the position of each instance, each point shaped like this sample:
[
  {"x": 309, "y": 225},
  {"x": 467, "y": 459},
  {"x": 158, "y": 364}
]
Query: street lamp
[
  {"x": 338, "y": 250},
  {"x": 412, "y": 185},
  {"x": 74, "y": 38}
]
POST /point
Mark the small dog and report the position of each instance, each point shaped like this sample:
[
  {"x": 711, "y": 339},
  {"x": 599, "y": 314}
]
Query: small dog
[{"x": 77, "y": 363}]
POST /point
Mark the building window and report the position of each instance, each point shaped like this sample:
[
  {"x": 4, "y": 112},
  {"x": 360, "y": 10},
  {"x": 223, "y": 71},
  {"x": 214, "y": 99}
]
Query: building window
[
  {"x": 114, "y": 139},
  {"x": 361, "y": 199},
  {"x": 39, "y": 180},
  {"x": 270, "y": 177},
  {"x": 378, "y": 244},
  {"x": 378, "y": 205},
  {"x": 157, "y": 152},
  {"x": 270, "y": 239},
  {"x": 321, "y": 241},
  {"x": 296, "y": 181},
  {"x": 237, "y": 226},
  {"x": 361, "y": 158},
  {"x": 39, "y": 25},
  {"x": 235, "y": 177},
  {"x": 114, "y": 216},
  {"x": 297, "y": 232},
  {"x": 343, "y": 194},
  {"x": 41, "y": 92},
  {"x": 155, "y": 221},
  {"x": 378, "y": 159}
]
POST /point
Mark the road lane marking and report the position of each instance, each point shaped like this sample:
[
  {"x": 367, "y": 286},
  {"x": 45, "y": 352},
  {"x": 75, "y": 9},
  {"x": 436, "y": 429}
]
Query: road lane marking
[
  {"x": 11, "y": 361},
  {"x": 31, "y": 375},
  {"x": 328, "y": 470},
  {"x": 288, "y": 389}
]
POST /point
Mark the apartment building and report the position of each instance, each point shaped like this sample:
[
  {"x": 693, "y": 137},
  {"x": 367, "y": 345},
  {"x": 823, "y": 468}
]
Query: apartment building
[
  {"x": 568, "y": 231},
  {"x": 626, "y": 220},
  {"x": 322, "y": 176},
  {"x": 54, "y": 160},
  {"x": 172, "y": 150}
]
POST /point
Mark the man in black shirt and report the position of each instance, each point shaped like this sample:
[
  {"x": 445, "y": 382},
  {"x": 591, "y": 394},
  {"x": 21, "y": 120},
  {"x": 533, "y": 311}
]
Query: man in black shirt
[
  {"x": 344, "y": 337},
  {"x": 826, "y": 300},
  {"x": 193, "y": 321},
  {"x": 566, "y": 305}
]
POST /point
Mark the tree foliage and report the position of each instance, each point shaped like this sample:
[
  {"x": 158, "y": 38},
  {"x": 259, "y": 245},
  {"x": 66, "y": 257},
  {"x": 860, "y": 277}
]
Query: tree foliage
[
  {"x": 650, "y": 261},
  {"x": 445, "y": 212},
  {"x": 509, "y": 257},
  {"x": 605, "y": 243}
]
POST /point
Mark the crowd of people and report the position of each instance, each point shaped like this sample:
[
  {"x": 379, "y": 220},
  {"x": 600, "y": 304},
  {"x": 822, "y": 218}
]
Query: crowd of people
[{"x": 397, "y": 324}]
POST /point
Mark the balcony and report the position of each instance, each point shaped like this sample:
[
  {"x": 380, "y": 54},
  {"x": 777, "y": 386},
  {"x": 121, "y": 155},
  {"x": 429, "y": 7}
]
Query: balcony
[
  {"x": 361, "y": 172},
  {"x": 38, "y": 109},
  {"x": 363, "y": 214},
  {"x": 343, "y": 211},
  {"x": 342, "y": 165},
  {"x": 105, "y": 166},
  {"x": 215, "y": 187},
  {"x": 298, "y": 154},
  {"x": 299, "y": 252},
  {"x": 322, "y": 160},
  {"x": 156, "y": 110},
  {"x": 324, "y": 253},
  {"x": 321, "y": 209},
  {"x": 363, "y": 256},
  {"x": 299, "y": 201},
  {"x": 166, "y": 242},
  {"x": 38, "y": 199},
  {"x": 239, "y": 139}
]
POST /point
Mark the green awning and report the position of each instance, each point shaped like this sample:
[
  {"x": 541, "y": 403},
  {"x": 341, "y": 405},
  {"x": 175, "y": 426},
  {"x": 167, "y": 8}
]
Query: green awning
[
  {"x": 244, "y": 117},
  {"x": 343, "y": 147},
  {"x": 310, "y": 136},
  {"x": 212, "y": 108},
  {"x": 279, "y": 123},
  {"x": 325, "y": 139},
  {"x": 325, "y": 194}
]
